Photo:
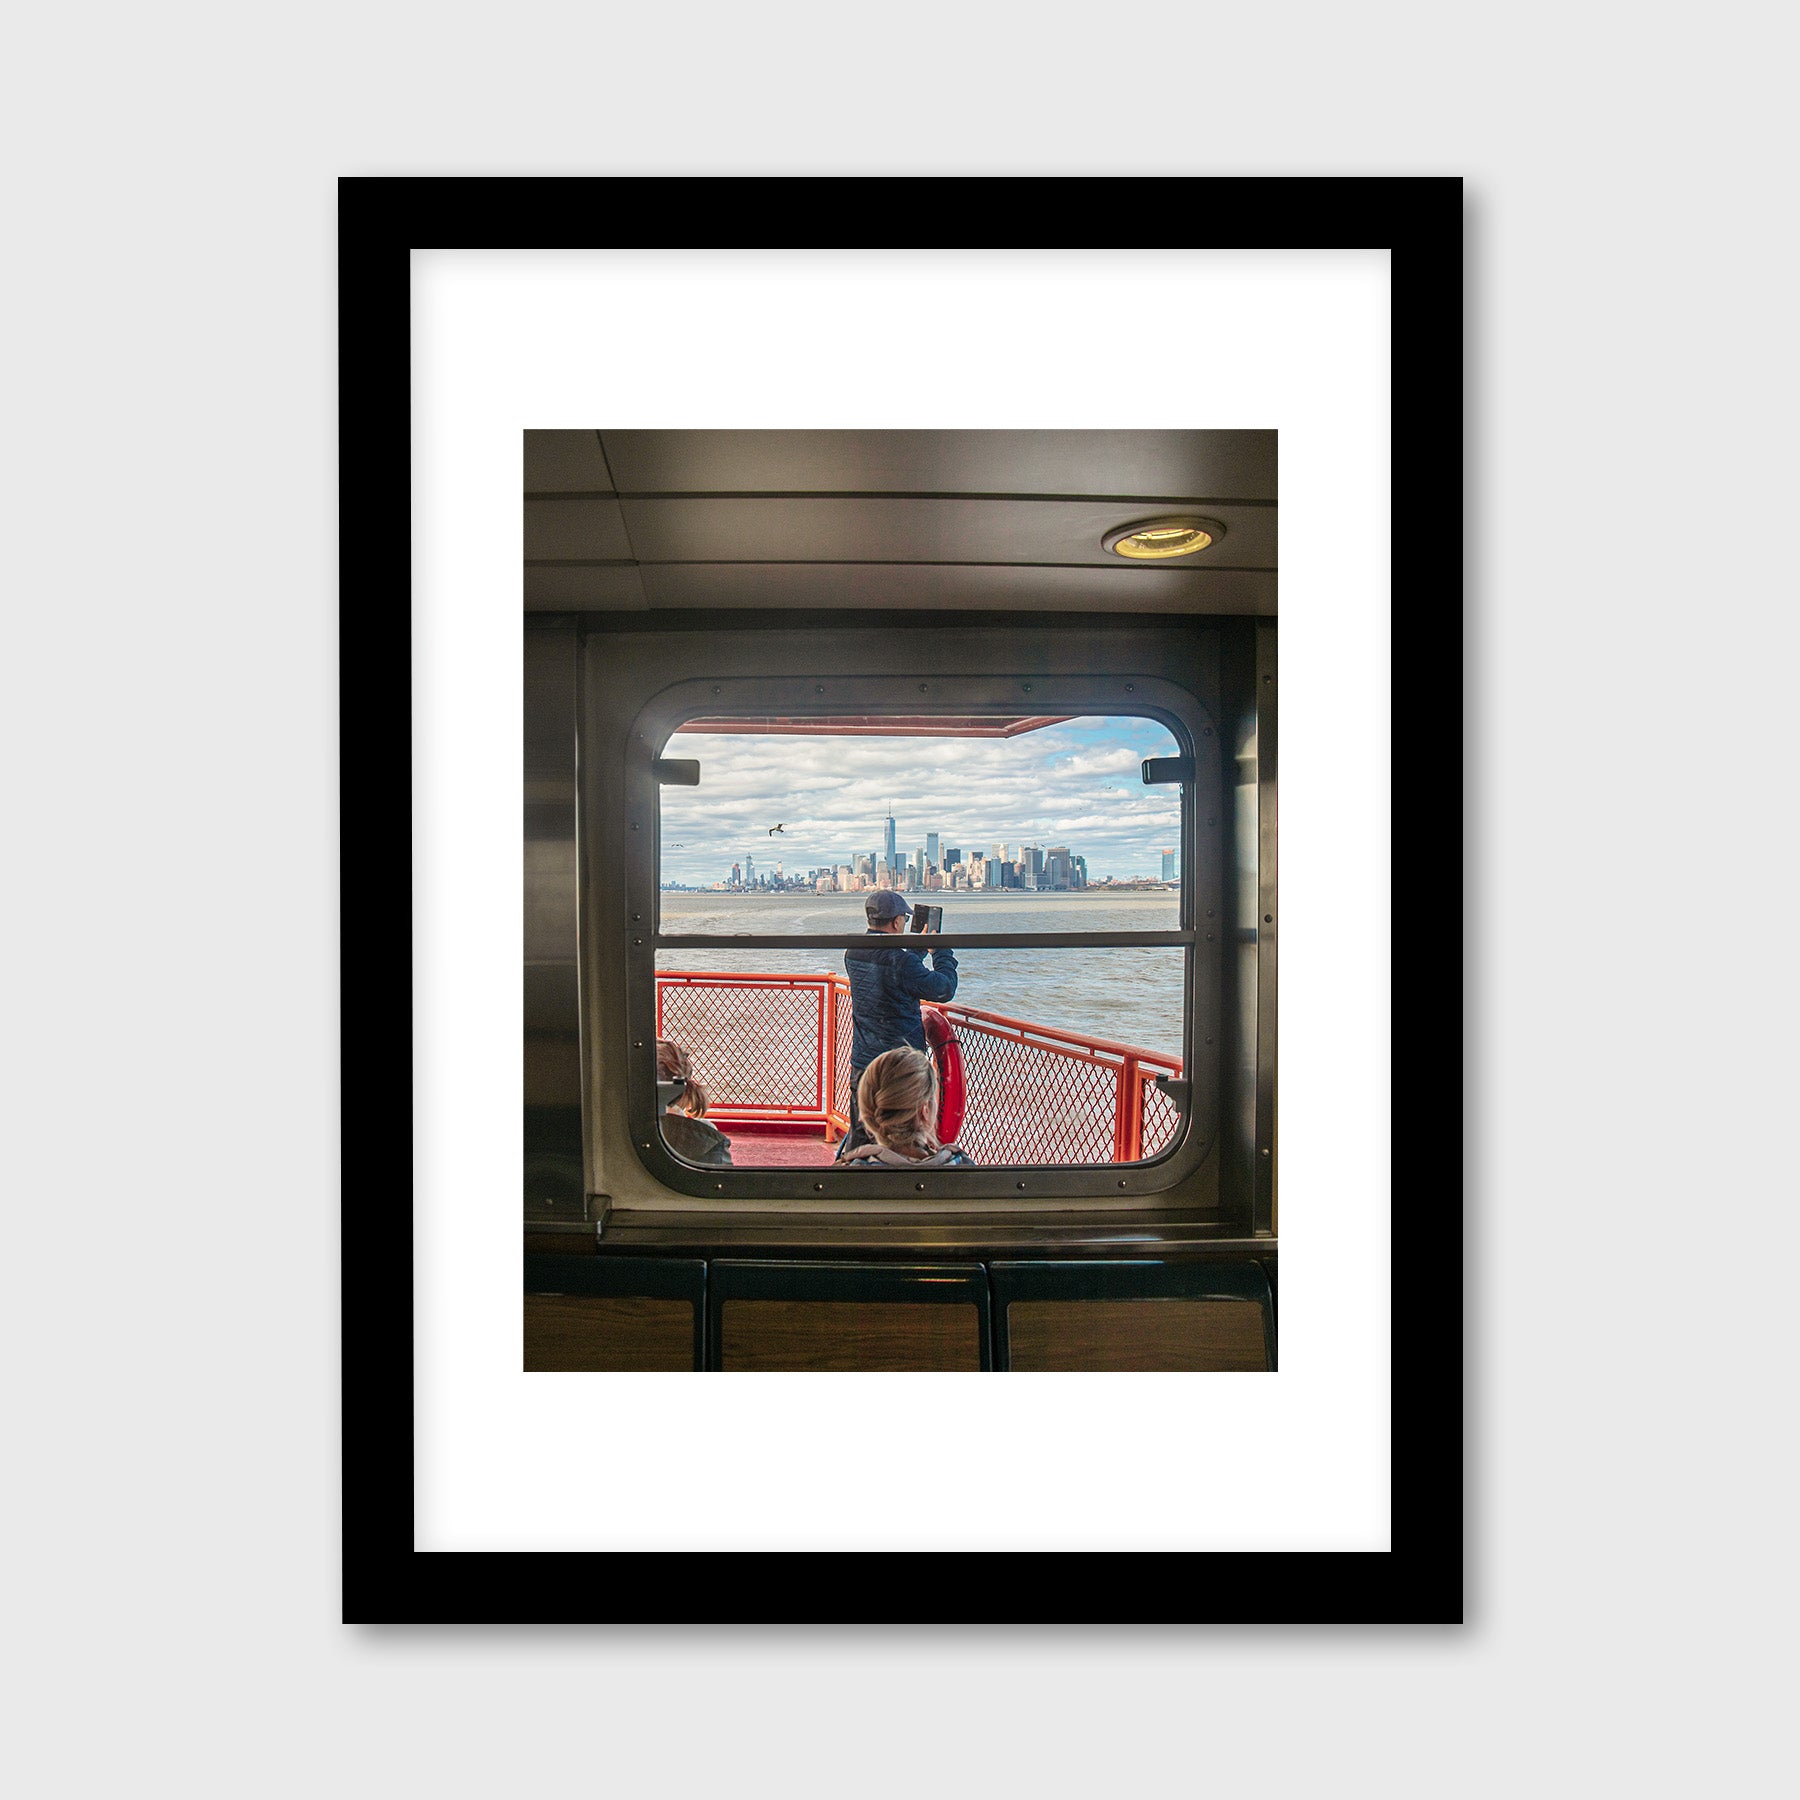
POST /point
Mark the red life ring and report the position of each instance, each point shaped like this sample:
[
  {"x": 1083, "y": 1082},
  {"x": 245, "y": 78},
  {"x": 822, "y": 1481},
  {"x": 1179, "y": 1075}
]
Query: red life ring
[{"x": 946, "y": 1055}]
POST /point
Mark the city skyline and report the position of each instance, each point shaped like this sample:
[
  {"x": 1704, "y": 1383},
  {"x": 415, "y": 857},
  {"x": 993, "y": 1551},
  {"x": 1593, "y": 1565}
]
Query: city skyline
[
  {"x": 1073, "y": 786},
  {"x": 1022, "y": 867}
]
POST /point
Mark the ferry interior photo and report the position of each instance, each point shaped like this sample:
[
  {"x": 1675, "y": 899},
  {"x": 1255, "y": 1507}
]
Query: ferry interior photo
[{"x": 900, "y": 900}]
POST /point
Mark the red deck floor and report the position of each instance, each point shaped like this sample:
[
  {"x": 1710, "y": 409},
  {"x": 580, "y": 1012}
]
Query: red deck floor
[{"x": 753, "y": 1149}]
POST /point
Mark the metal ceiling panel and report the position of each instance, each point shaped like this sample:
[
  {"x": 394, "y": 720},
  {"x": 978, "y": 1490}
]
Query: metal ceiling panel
[
  {"x": 996, "y": 587},
  {"x": 910, "y": 529},
  {"x": 565, "y": 462},
  {"x": 582, "y": 529},
  {"x": 583, "y": 587},
  {"x": 1189, "y": 465}
]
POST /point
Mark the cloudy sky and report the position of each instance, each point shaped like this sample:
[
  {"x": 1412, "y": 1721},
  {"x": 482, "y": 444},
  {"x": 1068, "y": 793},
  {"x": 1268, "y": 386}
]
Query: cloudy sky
[{"x": 1074, "y": 784}]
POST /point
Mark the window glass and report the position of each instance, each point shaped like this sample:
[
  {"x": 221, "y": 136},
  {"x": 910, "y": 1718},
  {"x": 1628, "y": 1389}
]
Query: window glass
[
  {"x": 1058, "y": 1052},
  {"x": 1032, "y": 1055},
  {"x": 791, "y": 827}
]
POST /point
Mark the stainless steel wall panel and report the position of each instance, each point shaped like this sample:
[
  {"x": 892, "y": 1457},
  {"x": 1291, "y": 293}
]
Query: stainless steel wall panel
[
  {"x": 1268, "y": 688},
  {"x": 550, "y": 729},
  {"x": 550, "y": 901},
  {"x": 1238, "y": 908},
  {"x": 1190, "y": 465},
  {"x": 552, "y": 1023}
]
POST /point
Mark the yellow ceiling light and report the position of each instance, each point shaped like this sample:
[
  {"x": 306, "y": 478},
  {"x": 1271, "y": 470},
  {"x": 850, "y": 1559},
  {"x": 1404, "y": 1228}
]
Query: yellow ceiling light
[{"x": 1157, "y": 540}]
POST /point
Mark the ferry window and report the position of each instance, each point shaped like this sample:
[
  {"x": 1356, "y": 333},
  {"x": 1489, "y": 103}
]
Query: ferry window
[
  {"x": 1066, "y": 877},
  {"x": 1038, "y": 1077}
]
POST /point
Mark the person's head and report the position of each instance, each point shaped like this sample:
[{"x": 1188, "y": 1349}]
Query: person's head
[
  {"x": 898, "y": 1100},
  {"x": 671, "y": 1064},
  {"x": 885, "y": 910}
]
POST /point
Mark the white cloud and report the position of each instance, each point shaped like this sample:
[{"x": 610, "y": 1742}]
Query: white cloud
[
  {"x": 1113, "y": 761},
  {"x": 831, "y": 795}
]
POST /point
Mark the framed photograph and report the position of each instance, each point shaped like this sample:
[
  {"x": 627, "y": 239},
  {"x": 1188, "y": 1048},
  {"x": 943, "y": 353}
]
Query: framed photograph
[{"x": 939, "y": 687}]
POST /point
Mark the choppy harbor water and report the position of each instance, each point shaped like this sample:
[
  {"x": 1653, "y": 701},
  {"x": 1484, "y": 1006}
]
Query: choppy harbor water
[{"x": 1131, "y": 996}]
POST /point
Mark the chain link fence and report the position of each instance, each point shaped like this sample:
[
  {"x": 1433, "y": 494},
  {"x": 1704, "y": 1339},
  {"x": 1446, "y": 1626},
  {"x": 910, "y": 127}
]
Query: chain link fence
[
  {"x": 757, "y": 1043},
  {"x": 778, "y": 1046}
]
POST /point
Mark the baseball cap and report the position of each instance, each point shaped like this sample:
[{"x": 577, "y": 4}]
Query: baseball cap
[{"x": 885, "y": 904}]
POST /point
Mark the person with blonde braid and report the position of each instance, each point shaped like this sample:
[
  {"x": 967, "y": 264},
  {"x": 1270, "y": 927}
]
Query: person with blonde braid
[
  {"x": 898, "y": 1100},
  {"x": 685, "y": 1129}
]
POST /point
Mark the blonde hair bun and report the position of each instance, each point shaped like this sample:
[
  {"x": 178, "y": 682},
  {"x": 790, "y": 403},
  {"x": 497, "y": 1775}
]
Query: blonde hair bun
[{"x": 894, "y": 1089}]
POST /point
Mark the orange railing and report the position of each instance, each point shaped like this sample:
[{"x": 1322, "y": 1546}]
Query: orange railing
[
  {"x": 774, "y": 1050},
  {"x": 764, "y": 1047},
  {"x": 1042, "y": 1095}
]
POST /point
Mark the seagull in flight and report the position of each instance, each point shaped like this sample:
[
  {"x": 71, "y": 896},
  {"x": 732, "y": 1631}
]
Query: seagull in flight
[{"x": 773, "y": 829}]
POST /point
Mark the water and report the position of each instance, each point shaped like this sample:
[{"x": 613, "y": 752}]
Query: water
[{"x": 1129, "y": 996}]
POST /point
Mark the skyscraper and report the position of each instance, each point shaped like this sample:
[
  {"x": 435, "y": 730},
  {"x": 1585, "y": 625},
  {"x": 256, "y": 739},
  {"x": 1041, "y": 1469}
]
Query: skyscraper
[
  {"x": 893, "y": 858},
  {"x": 1168, "y": 865},
  {"x": 931, "y": 847}
]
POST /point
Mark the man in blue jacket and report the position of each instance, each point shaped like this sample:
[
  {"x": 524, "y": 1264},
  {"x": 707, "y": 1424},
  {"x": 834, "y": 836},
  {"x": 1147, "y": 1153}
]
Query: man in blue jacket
[{"x": 887, "y": 982}]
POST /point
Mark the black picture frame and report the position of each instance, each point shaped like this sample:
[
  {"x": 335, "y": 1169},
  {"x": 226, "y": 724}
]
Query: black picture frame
[{"x": 385, "y": 1579}]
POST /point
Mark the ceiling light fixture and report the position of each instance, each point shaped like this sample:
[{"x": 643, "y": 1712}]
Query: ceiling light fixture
[{"x": 1156, "y": 540}]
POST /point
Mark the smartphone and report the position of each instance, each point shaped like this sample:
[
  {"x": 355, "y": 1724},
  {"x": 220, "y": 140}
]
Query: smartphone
[{"x": 927, "y": 918}]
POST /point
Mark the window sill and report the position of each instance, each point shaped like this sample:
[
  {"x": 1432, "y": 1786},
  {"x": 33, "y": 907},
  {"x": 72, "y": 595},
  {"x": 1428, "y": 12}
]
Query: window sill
[{"x": 1108, "y": 1234}]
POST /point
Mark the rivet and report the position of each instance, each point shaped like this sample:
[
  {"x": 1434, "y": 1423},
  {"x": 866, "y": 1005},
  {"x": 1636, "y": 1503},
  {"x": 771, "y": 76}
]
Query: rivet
[
  {"x": 718, "y": 690},
  {"x": 1268, "y": 918},
  {"x": 923, "y": 685},
  {"x": 718, "y": 1187},
  {"x": 635, "y": 826},
  {"x": 1121, "y": 1184},
  {"x": 1028, "y": 687},
  {"x": 818, "y": 1187},
  {"x": 1209, "y": 1040},
  {"x": 1209, "y": 913},
  {"x": 639, "y": 942},
  {"x": 1209, "y": 938},
  {"x": 637, "y": 918},
  {"x": 818, "y": 690},
  {"x": 643, "y": 1146},
  {"x": 1020, "y": 1186},
  {"x": 1206, "y": 731},
  {"x": 638, "y": 1045},
  {"x": 1210, "y": 823},
  {"x": 1129, "y": 688},
  {"x": 1268, "y": 678},
  {"x": 1265, "y": 1153},
  {"x": 920, "y": 1186}
]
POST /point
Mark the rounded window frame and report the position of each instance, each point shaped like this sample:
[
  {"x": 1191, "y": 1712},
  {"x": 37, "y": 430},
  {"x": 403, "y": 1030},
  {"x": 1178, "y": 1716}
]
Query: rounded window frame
[{"x": 1185, "y": 1173}]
